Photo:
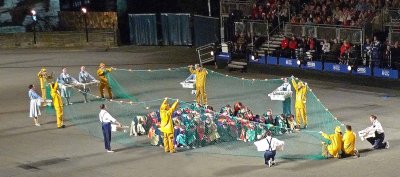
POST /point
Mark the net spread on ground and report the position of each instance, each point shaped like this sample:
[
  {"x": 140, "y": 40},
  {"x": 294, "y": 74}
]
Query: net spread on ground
[{"x": 138, "y": 95}]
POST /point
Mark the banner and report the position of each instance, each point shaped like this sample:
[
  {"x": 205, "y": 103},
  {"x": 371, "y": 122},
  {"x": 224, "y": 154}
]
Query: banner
[
  {"x": 386, "y": 73},
  {"x": 288, "y": 62},
  {"x": 363, "y": 71},
  {"x": 272, "y": 60},
  {"x": 259, "y": 60},
  {"x": 333, "y": 67},
  {"x": 223, "y": 56},
  {"x": 316, "y": 65}
]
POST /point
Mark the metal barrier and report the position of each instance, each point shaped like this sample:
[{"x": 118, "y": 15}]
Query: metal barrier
[
  {"x": 206, "y": 53},
  {"x": 352, "y": 34}
]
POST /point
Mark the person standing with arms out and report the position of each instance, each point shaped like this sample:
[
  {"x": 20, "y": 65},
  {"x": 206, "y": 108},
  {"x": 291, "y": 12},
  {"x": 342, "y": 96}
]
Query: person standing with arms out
[
  {"x": 300, "y": 105},
  {"x": 102, "y": 73},
  {"x": 58, "y": 104},
  {"x": 106, "y": 119},
  {"x": 63, "y": 79},
  {"x": 34, "y": 110},
  {"x": 43, "y": 79},
  {"x": 201, "y": 75},
  {"x": 85, "y": 77},
  {"x": 349, "y": 143},
  {"x": 272, "y": 144},
  {"x": 167, "y": 126},
  {"x": 377, "y": 141}
]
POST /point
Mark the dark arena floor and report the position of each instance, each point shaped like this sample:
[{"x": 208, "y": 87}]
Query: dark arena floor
[{"x": 27, "y": 150}]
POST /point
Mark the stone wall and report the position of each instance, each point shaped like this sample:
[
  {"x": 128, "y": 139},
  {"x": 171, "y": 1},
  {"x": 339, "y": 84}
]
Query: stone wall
[
  {"x": 95, "y": 20},
  {"x": 58, "y": 39}
]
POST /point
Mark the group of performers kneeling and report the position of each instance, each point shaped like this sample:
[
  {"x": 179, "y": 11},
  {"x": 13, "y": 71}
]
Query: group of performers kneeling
[{"x": 196, "y": 126}]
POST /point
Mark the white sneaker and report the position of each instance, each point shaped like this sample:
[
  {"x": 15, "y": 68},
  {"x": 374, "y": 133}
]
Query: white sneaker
[
  {"x": 110, "y": 151},
  {"x": 38, "y": 125},
  {"x": 387, "y": 145},
  {"x": 269, "y": 163}
]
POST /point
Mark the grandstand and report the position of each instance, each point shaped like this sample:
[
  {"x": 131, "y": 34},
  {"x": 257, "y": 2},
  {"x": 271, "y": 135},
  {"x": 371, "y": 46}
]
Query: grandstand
[{"x": 358, "y": 35}]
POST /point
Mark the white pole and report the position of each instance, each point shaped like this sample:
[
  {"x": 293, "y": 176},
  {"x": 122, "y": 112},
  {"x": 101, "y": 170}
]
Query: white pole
[{"x": 209, "y": 8}]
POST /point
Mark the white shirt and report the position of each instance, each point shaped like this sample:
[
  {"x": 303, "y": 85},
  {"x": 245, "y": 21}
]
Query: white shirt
[
  {"x": 376, "y": 126},
  {"x": 105, "y": 117},
  {"x": 272, "y": 143}
]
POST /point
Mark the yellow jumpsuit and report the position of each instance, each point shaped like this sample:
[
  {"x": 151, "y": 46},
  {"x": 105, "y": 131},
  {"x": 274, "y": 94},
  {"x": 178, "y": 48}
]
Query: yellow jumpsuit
[
  {"x": 102, "y": 73},
  {"x": 167, "y": 126},
  {"x": 349, "y": 142},
  {"x": 201, "y": 96},
  {"x": 57, "y": 102},
  {"x": 336, "y": 143},
  {"x": 300, "y": 105},
  {"x": 43, "y": 77}
]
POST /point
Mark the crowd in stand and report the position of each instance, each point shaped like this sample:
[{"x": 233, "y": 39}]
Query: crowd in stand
[
  {"x": 337, "y": 12},
  {"x": 371, "y": 53}
]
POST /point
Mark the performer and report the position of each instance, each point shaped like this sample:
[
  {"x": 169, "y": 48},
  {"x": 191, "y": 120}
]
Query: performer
[
  {"x": 58, "y": 104},
  {"x": 102, "y": 73},
  {"x": 66, "y": 90},
  {"x": 43, "y": 79},
  {"x": 106, "y": 119},
  {"x": 335, "y": 143},
  {"x": 34, "y": 110},
  {"x": 167, "y": 126},
  {"x": 377, "y": 141},
  {"x": 349, "y": 143},
  {"x": 85, "y": 77},
  {"x": 300, "y": 105},
  {"x": 272, "y": 144},
  {"x": 201, "y": 73},
  {"x": 287, "y": 104}
]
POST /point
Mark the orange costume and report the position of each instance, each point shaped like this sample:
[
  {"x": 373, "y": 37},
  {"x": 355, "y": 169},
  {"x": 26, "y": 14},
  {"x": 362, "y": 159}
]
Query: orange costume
[{"x": 102, "y": 73}]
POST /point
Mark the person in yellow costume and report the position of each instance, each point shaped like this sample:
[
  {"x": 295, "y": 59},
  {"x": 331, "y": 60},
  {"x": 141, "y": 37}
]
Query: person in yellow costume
[
  {"x": 58, "y": 104},
  {"x": 335, "y": 145},
  {"x": 102, "y": 73},
  {"x": 349, "y": 143},
  {"x": 201, "y": 75},
  {"x": 43, "y": 79},
  {"x": 300, "y": 105},
  {"x": 167, "y": 126}
]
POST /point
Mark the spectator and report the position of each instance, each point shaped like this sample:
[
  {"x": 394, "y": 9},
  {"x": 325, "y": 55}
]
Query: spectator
[
  {"x": 326, "y": 49},
  {"x": 387, "y": 57},
  {"x": 345, "y": 48},
  {"x": 254, "y": 12},
  {"x": 376, "y": 52},
  {"x": 367, "y": 49},
  {"x": 395, "y": 55},
  {"x": 284, "y": 46},
  {"x": 311, "y": 43},
  {"x": 292, "y": 46}
]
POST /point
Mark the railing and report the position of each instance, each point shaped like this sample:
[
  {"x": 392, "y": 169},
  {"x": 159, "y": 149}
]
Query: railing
[
  {"x": 352, "y": 34},
  {"x": 227, "y": 6}
]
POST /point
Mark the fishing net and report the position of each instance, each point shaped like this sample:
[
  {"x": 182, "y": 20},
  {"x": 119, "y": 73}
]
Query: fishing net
[{"x": 139, "y": 93}]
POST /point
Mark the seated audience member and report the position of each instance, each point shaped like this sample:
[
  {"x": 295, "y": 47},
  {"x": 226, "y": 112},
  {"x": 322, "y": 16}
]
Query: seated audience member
[
  {"x": 284, "y": 46},
  {"x": 293, "y": 46}
]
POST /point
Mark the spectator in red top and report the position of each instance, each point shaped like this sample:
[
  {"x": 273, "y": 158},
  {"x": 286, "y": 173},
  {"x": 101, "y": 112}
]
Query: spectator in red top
[
  {"x": 293, "y": 46},
  {"x": 284, "y": 43},
  {"x": 345, "y": 48},
  {"x": 284, "y": 47},
  {"x": 254, "y": 12},
  {"x": 311, "y": 43}
]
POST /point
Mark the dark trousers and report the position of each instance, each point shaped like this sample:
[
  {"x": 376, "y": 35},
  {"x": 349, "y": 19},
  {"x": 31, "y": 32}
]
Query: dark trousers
[
  {"x": 269, "y": 155},
  {"x": 377, "y": 141},
  {"x": 106, "y": 127}
]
